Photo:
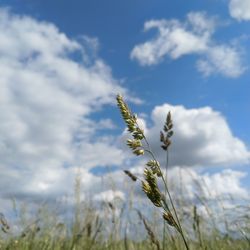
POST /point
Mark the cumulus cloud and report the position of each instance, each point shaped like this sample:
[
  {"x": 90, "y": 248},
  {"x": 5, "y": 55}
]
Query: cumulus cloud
[
  {"x": 223, "y": 184},
  {"x": 194, "y": 36},
  {"x": 240, "y": 9},
  {"x": 219, "y": 194},
  {"x": 46, "y": 133},
  {"x": 46, "y": 100},
  {"x": 109, "y": 196},
  {"x": 210, "y": 191},
  {"x": 202, "y": 137}
]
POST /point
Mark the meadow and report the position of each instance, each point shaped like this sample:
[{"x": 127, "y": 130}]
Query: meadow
[{"x": 161, "y": 221}]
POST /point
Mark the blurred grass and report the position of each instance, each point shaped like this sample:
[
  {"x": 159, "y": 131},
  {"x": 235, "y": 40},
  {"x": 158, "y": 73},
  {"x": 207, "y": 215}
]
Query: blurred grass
[
  {"x": 117, "y": 226},
  {"x": 129, "y": 224}
]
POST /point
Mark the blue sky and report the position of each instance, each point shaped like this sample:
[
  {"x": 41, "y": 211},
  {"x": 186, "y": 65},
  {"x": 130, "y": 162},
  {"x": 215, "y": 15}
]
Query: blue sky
[
  {"x": 64, "y": 61},
  {"x": 118, "y": 25}
]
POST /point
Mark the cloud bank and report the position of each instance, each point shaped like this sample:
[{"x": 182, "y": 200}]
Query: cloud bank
[{"x": 46, "y": 99}]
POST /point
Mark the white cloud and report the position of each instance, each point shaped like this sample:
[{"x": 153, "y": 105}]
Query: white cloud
[
  {"x": 176, "y": 39},
  {"x": 212, "y": 193},
  {"x": 46, "y": 99},
  {"x": 224, "y": 184},
  {"x": 202, "y": 140},
  {"x": 214, "y": 58},
  {"x": 99, "y": 154},
  {"x": 202, "y": 137},
  {"x": 109, "y": 196},
  {"x": 218, "y": 196},
  {"x": 240, "y": 9}
]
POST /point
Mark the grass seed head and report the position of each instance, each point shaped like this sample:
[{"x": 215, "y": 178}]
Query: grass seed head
[
  {"x": 150, "y": 187},
  {"x": 167, "y": 128},
  {"x": 4, "y": 224},
  {"x": 150, "y": 232},
  {"x": 155, "y": 167},
  {"x": 168, "y": 217},
  {"x": 128, "y": 173},
  {"x": 130, "y": 119}
]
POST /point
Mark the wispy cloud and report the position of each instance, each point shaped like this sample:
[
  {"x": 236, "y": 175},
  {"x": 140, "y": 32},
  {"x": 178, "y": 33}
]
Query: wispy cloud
[{"x": 194, "y": 36}]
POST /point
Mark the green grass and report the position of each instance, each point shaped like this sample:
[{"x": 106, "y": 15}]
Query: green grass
[
  {"x": 104, "y": 226},
  {"x": 44, "y": 239}
]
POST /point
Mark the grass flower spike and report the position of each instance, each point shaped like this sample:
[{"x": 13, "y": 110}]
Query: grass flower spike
[{"x": 152, "y": 171}]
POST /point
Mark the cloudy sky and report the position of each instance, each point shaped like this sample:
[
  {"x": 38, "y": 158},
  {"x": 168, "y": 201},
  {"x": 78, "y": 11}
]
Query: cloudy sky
[{"x": 62, "y": 63}]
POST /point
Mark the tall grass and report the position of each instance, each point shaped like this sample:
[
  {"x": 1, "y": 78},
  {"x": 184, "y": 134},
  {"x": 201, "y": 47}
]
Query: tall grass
[
  {"x": 153, "y": 171},
  {"x": 95, "y": 231},
  {"x": 171, "y": 223}
]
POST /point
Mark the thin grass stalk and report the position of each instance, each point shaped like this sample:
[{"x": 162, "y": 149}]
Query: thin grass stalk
[
  {"x": 169, "y": 196},
  {"x": 150, "y": 186}
]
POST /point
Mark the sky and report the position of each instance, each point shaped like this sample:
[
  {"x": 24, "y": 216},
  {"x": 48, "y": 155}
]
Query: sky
[{"x": 62, "y": 64}]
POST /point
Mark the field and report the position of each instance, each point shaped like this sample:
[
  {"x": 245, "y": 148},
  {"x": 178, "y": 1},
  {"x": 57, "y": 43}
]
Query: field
[{"x": 160, "y": 220}]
